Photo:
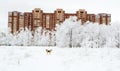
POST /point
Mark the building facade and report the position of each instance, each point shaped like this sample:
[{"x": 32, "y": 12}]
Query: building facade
[{"x": 37, "y": 18}]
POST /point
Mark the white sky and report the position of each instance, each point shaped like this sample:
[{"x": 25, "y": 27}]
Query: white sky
[{"x": 92, "y": 6}]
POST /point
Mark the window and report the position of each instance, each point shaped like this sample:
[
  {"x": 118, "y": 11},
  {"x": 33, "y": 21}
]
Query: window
[
  {"x": 9, "y": 25},
  {"x": 103, "y": 14},
  {"x": 21, "y": 17},
  {"x": 20, "y": 20},
  {"x": 109, "y": 19},
  {"x": 21, "y": 14},
  {"x": 15, "y": 20},
  {"x": 39, "y": 21},
  {"x": 36, "y": 15},
  {"x": 98, "y": 16},
  {"x": 109, "y": 14},
  {"x": 10, "y": 13},
  {"x": 10, "y": 19},
  {"x": 37, "y": 11},
  {"x": 21, "y": 23},
  {"x": 81, "y": 12},
  {"x": 104, "y": 19},
  {"x": 59, "y": 11},
  {"x": 15, "y": 27},
  {"x": 91, "y": 16},
  {"x": 47, "y": 21},
  {"x": 35, "y": 22},
  {"x": 15, "y": 13}
]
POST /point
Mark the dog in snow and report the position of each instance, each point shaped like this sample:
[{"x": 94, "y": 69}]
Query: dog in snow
[{"x": 48, "y": 51}]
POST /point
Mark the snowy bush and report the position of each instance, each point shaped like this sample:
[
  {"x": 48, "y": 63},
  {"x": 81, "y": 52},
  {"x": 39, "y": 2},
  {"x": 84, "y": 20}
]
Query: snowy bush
[{"x": 90, "y": 35}]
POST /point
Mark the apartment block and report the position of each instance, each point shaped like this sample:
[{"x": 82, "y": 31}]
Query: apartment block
[{"x": 38, "y": 18}]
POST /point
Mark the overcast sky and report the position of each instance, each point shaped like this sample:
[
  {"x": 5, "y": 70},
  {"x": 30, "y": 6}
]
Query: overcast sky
[{"x": 92, "y": 6}]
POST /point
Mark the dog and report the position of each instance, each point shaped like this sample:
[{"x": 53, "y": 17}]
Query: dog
[{"x": 48, "y": 51}]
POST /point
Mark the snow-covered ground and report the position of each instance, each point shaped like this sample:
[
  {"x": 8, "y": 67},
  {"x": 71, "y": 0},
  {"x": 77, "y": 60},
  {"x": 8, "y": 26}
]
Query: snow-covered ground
[{"x": 17, "y": 58}]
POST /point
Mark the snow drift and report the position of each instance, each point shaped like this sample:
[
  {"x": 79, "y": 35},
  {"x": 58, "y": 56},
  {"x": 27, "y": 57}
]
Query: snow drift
[{"x": 68, "y": 34}]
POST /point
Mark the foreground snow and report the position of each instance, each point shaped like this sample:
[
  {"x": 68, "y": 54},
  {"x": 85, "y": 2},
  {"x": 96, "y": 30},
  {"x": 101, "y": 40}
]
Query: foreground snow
[{"x": 32, "y": 58}]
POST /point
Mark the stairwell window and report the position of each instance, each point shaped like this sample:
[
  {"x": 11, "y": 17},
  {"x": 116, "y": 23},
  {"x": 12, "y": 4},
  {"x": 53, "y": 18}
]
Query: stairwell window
[{"x": 47, "y": 21}]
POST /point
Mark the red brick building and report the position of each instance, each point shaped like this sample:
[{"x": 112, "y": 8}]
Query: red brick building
[{"x": 37, "y": 18}]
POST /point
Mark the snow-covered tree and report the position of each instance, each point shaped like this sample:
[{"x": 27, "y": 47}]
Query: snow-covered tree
[{"x": 70, "y": 33}]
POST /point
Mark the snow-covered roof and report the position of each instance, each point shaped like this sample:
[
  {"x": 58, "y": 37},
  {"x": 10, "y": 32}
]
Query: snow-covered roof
[
  {"x": 97, "y": 16},
  {"x": 21, "y": 14}
]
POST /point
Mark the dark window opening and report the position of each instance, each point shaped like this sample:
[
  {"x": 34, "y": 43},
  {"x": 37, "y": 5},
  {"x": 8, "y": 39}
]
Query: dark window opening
[
  {"x": 81, "y": 12},
  {"x": 59, "y": 11},
  {"x": 37, "y": 11}
]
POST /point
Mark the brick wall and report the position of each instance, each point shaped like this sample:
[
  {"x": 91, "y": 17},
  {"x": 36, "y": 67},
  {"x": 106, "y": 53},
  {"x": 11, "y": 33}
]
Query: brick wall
[{"x": 37, "y": 18}]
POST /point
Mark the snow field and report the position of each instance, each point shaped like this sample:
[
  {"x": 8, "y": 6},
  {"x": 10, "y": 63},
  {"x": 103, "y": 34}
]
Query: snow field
[{"x": 33, "y": 58}]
